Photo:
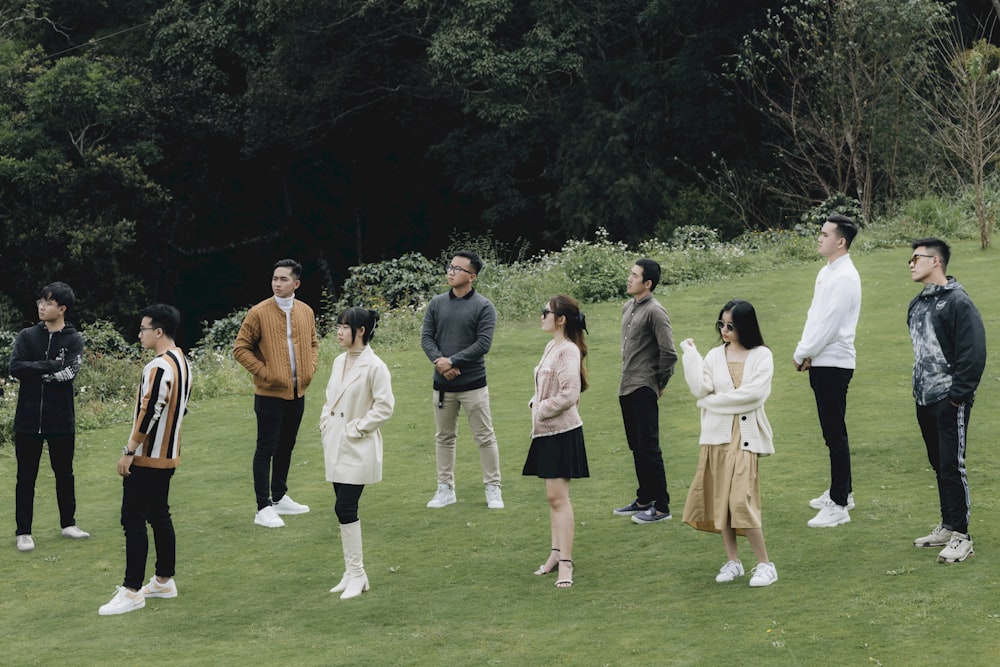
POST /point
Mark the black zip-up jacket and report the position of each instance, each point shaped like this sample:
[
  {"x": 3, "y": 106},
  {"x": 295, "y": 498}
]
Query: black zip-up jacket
[
  {"x": 949, "y": 344},
  {"x": 46, "y": 362}
]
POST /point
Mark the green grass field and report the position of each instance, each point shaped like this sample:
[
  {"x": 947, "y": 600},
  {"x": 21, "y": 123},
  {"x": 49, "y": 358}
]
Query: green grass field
[{"x": 454, "y": 586}]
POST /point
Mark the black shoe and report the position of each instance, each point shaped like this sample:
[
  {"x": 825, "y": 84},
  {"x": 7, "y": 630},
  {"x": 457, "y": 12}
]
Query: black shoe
[{"x": 632, "y": 508}]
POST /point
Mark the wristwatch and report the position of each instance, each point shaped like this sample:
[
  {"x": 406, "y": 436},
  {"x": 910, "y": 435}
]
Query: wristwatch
[{"x": 127, "y": 452}]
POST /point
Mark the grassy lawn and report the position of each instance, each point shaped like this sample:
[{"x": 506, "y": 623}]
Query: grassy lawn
[{"x": 454, "y": 586}]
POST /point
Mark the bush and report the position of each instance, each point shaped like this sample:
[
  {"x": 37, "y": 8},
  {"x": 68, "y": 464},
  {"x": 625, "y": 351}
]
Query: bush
[
  {"x": 406, "y": 282},
  {"x": 596, "y": 271},
  {"x": 220, "y": 335},
  {"x": 837, "y": 203}
]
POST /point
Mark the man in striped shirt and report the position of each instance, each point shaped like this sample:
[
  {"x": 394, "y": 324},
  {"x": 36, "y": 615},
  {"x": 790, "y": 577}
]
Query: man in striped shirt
[{"x": 148, "y": 462}]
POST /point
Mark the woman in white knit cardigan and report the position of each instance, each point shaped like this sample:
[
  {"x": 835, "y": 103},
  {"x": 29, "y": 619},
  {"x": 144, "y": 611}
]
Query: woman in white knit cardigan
[{"x": 731, "y": 384}]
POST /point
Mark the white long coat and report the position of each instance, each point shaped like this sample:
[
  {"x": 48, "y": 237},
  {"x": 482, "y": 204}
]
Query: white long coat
[{"x": 356, "y": 406}]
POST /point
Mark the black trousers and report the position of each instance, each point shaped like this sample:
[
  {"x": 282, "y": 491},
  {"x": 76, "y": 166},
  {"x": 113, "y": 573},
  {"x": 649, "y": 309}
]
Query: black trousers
[
  {"x": 278, "y": 423},
  {"x": 145, "y": 495},
  {"x": 829, "y": 385},
  {"x": 943, "y": 427},
  {"x": 348, "y": 496},
  {"x": 28, "y": 450},
  {"x": 641, "y": 415}
]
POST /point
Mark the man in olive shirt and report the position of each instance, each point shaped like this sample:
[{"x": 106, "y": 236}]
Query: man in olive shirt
[{"x": 648, "y": 359}]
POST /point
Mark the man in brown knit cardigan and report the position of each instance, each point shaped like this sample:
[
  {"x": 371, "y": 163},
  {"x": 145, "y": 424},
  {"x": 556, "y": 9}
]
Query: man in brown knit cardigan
[{"x": 277, "y": 343}]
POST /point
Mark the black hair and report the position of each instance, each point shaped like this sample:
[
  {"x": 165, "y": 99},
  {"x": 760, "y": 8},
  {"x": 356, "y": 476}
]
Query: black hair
[
  {"x": 291, "y": 264},
  {"x": 163, "y": 316},
  {"x": 745, "y": 322},
  {"x": 938, "y": 246},
  {"x": 477, "y": 264},
  {"x": 356, "y": 317},
  {"x": 576, "y": 325},
  {"x": 846, "y": 227},
  {"x": 59, "y": 292},
  {"x": 650, "y": 271}
]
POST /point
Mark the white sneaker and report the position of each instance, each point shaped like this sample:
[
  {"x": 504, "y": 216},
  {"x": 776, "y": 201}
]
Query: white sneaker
[
  {"x": 268, "y": 518},
  {"x": 154, "y": 589},
  {"x": 74, "y": 532},
  {"x": 939, "y": 537},
  {"x": 730, "y": 571},
  {"x": 494, "y": 500},
  {"x": 288, "y": 506},
  {"x": 124, "y": 601},
  {"x": 958, "y": 549},
  {"x": 444, "y": 496},
  {"x": 25, "y": 543},
  {"x": 830, "y": 516},
  {"x": 764, "y": 574},
  {"x": 825, "y": 500}
]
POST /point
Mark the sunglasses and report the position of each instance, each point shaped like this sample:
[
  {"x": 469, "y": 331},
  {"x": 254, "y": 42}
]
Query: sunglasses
[{"x": 728, "y": 326}]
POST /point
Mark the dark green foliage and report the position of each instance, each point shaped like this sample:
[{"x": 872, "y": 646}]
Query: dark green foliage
[
  {"x": 220, "y": 335},
  {"x": 406, "y": 282}
]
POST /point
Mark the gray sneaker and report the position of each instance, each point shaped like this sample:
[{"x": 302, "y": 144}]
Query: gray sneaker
[
  {"x": 958, "y": 549},
  {"x": 939, "y": 537},
  {"x": 444, "y": 496}
]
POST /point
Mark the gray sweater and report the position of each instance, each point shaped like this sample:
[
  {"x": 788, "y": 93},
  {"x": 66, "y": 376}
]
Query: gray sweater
[{"x": 460, "y": 328}]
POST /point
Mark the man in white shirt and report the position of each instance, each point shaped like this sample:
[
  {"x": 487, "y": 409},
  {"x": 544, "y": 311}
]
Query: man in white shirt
[{"x": 826, "y": 350}]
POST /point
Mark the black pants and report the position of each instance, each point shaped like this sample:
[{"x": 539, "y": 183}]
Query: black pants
[
  {"x": 28, "y": 450},
  {"x": 145, "y": 495},
  {"x": 829, "y": 385},
  {"x": 943, "y": 426},
  {"x": 277, "y": 427},
  {"x": 348, "y": 496},
  {"x": 641, "y": 415}
]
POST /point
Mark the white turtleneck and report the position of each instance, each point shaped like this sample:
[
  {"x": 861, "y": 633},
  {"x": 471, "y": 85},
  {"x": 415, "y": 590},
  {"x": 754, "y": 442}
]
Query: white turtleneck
[{"x": 286, "y": 305}]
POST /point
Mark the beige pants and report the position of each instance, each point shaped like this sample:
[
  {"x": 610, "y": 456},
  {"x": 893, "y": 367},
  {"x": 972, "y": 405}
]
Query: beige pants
[{"x": 476, "y": 403}]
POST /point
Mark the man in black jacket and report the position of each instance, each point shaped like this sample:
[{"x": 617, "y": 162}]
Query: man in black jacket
[
  {"x": 45, "y": 359},
  {"x": 949, "y": 350}
]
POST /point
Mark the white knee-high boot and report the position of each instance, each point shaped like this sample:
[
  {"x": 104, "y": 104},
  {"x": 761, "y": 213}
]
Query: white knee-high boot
[{"x": 354, "y": 565}]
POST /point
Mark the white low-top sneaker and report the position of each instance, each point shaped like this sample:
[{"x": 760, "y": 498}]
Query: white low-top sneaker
[
  {"x": 268, "y": 518},
  {"x": 288, "y": 506}
]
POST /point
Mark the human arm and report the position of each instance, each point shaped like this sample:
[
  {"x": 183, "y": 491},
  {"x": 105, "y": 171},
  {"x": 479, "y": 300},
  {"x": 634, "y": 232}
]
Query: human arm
[
  {"x": 486, "y": 321},
  {"x": 71, "y": 356},
  {"x": 753, "y": 390},
  {"x": 697, "y": 373},
  {"x": 665, "y": 343},
  {"x": 970, "y": 357},
  {"x": 383, "y": 402},
  {"x": 837, "y": 295},
  {"x": 560, "y": 391},
  {"x": 246, "y": 349},
  {"x": 23, "y": 366}
]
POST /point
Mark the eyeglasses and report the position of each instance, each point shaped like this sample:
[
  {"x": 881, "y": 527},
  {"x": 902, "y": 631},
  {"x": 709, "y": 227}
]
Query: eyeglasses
[
  {"x": 451, "y": 268},
  {"x": 728, "y": 326},
  {"x": 141, "y": 329},
  {"x": 546, "y": 312},
  {"x": 916, "y": 256},
  {"x": 45, "y": 302}
]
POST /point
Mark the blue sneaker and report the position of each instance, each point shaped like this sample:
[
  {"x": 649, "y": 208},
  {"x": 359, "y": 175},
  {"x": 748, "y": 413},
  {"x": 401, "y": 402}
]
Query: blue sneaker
[{"x": 650, "y": 516}]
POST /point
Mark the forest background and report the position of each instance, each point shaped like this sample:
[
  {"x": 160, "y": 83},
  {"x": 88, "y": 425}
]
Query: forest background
[{"x": 172, "y": 150}]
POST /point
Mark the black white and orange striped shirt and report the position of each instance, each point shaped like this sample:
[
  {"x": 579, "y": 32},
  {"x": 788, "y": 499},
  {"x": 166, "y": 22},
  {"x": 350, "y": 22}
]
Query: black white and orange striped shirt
[{"x": 160, "y": 408}]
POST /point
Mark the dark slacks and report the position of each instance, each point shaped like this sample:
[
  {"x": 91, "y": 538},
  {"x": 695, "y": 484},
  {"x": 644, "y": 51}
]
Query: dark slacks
[
  {"x": 829, "y": 385},
  {"x": 348, "y": 496},
  {"x": 277, "y": 427},
  {"x": 641, "y": 415},
  {"x": 28, "y": 450},
  {"x": 943, "y": 427},
  {"x": 145, "y": 495}
]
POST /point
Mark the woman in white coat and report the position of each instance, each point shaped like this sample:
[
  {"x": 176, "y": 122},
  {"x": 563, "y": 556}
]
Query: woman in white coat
[
  {"x": 358, "y": 401},
  {"x": 731, "y": 385}
]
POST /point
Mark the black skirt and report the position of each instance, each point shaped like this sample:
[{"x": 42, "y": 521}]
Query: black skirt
[{"x": 561, "y": 455}]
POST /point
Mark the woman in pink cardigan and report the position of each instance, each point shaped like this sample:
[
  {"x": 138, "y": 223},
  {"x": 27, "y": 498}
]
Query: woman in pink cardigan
[{"x": 557, "y": 452}]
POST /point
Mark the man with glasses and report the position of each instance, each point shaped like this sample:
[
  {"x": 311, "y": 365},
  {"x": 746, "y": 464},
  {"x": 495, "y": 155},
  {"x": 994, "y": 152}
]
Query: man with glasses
[
  {"x": 648, "y": 360},
  {"x": 45, "y": 359},
  {"x": 456, "y": 335},
  {"x": 949, "y": 350},
  {"x": 826, "y": 351}
]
